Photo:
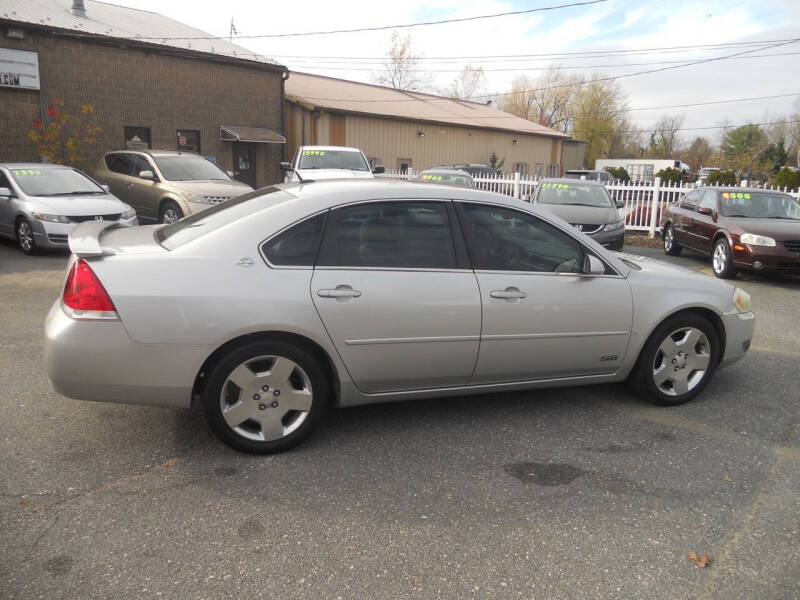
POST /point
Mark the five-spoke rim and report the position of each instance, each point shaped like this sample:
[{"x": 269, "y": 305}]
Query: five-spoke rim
[
  {"x": 170, "y": 215},
  {"x": 266, "y": 398},
  {"x": 720, "y": 257},
  {"x": 668, "y": 239},
  {"x": 681, "y": 361},
  {"x": 25, "y": 236}
]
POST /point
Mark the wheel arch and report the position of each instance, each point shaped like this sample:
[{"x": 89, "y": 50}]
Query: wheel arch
[
  {"x": 710, "y": 315},
  {"x": 270, "y": 336},
  {"x": 721, "y": 233},
  {"x": 173, "y": 199}
]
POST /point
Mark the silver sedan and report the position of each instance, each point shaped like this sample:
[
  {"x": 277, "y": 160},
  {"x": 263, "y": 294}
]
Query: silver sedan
[
  {"x": 40, "y": 204},
  {"x": 276, "y": 305}
]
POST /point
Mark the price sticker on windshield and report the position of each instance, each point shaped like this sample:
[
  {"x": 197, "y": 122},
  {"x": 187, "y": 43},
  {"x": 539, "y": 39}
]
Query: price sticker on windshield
[
  {"x": 736, "y": 195},
  {"x": 313, "y": 153},
  {"x": 23, "y": 172}
]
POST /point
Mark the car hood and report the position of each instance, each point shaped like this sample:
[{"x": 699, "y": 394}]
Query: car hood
[
  {"x": 663, "y": 272},
  {"x": 589, "y": 215},
  {"x": 779, "y": 229},
  {"x": 317, "y": 174},
  {"x": 223, "y": 188},
  {"x": 77, "y": 206}
]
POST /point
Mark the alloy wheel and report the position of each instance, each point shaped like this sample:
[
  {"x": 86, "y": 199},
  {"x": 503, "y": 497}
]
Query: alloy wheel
[
  {"x": 668, "y": 239},
  {"x": 25, "y": 236},
  {"x": 170, "y": 215},
  {"x": 720, "y": 258},
  {"x": 681, "y": 361},
  {"x": 266, "y": 398}
]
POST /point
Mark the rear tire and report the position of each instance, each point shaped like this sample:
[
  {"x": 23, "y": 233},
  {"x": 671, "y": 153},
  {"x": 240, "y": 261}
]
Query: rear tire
[
  {"x": 722, "y": 260},
  {"x": 26, "y": 240},
  {"x": 671, "y": 246},
  {"x": 677, "y": 361},
  {"x": 170, "y": 212},
  {"x": 265, "y": 397}
]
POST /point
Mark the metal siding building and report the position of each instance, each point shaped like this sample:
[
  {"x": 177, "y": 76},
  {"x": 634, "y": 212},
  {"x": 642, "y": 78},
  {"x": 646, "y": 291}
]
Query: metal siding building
[{"x": 396, "y": 128}]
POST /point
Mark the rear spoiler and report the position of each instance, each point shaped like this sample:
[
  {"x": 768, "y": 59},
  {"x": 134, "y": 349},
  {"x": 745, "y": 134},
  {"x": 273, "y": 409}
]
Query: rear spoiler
[{"x": 84, "y": 240}]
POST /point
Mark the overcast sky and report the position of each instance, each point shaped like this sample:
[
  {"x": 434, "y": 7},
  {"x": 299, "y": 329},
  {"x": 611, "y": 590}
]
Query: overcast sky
[{"x": 612, "y": 25}]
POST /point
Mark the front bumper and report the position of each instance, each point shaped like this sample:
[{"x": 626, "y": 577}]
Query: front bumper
[
  {"x": 610, "y": 239},
  {"x": 739, "y": 328},
  {"x": 98, "y": 360},
  {"x": 55, "y": 235},
  {"x": 765, "y": 258}
]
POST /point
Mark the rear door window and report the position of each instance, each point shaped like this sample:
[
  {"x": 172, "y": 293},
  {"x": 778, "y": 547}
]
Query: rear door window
[
  {"x": 121, "y": 163},
  {"x": 297, "y": 246},
  {"x": 407, "y": 235}
]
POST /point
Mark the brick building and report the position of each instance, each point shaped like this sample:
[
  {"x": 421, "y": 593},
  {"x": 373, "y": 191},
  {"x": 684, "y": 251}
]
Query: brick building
[{"x": 147, "y": 87}]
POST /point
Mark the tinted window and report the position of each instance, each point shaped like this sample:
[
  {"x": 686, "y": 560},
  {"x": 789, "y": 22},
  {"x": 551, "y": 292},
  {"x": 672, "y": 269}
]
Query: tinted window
[
  {"x": 709, "y": 200},
  {"x": 690, "y": 200},
  {"x": 120, "y": 163},
  {"x": 140, "y": 163},
  {"x": 3, "y": 181},
  {"x": 502, "y": 239},
  {"x": 297, "y": 246},
  {"x": 413, "y": 235}
]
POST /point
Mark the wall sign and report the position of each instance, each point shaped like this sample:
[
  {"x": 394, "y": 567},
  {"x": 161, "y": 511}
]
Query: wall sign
[{"x": 19, "y": 69}]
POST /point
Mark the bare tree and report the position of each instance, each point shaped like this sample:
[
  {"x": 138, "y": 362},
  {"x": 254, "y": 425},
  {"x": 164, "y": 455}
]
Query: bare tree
[
  {"x": 698, "y": 153},
  {"x": 401, "y": 68},
  {"x": 468, "y": 84},
  {"x": 664, "y": 138},
  {"x": 548, "y": 100}
]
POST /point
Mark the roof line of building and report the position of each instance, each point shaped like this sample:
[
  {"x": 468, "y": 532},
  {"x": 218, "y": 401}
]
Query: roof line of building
[
  {"x": 372, "y": 115},
  {"x": 148, "y": 45}
]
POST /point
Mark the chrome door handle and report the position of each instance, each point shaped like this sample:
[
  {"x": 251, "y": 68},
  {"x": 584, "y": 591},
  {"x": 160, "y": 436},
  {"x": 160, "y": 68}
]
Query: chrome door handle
[
  {"x": 339, "y": 292},
  {"x": 510, "y": 293}
]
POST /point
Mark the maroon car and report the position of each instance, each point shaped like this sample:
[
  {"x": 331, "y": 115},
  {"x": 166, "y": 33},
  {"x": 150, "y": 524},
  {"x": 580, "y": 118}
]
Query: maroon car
[{"x": 738, "y": 228}]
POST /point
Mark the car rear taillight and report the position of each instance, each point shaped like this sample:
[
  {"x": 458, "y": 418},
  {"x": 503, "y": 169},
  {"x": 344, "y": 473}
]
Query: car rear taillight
[{"x": 84, "y": 296}]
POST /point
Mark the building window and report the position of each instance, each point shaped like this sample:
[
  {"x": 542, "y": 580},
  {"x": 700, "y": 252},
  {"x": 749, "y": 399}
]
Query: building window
[
  {"x": 403, "y": 165},
  {"x": 552, "y": 170},
  {"x": 539, "y": 170},
  {"x": 521, "y": 168},
  {"x": 137, "y": 138},
  {"x": 188, "y": 139}
]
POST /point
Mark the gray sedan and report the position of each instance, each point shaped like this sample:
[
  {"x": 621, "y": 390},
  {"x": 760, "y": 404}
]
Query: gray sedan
[
  {"x": 41, "y": 204},
  {"x": 278, "y": 304}
]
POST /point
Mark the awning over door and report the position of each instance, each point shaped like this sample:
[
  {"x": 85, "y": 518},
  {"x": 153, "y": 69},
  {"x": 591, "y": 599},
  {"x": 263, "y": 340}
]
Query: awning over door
[{"x": 240, "y": 133}]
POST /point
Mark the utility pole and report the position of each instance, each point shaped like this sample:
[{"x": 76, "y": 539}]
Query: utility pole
[{"x": 232, "y": 31}]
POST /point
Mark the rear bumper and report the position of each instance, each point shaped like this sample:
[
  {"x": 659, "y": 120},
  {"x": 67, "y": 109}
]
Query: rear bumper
[
  {"x": 97, "y": 360},
  {"x": 739, "y": 328}
]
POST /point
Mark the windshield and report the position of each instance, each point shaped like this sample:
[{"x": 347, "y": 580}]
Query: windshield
[
  {"x": 54, "y": 182},
  {"x": 199, "y": 224},
  {"x": 759, "y": 205},
  {"x": 189, "y": 168},
  {"x": 448, "y": 178},
  {"x": 332, "y": 159},
  {"x": 574, "y": 193}
]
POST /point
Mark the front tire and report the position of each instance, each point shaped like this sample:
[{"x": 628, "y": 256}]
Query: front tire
[
  {"x": 26, "y": 240},
  {"x": 671, "y": 246},
  {"x": 170, "y": 212},
  {"x": 678, "y": 360},
  {"x": 265, "y": 397},
  {"x": 722, "y": 260}
]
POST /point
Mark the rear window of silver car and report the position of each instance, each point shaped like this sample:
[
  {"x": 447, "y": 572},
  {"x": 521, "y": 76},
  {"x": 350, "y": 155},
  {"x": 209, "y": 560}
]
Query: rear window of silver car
[{"x": 202, "y": 223}]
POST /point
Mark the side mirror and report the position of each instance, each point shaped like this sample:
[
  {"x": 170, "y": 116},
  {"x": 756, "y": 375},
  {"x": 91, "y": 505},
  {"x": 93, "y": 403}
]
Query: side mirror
[
  {"x": 377, "y": 169},
  {"x": 147, "y": 174},
  {"x": 620, "y": 203},
  {"x": 286, "y": 166},
  {"x": 593, "y": 265},
  {"x": 704, "y": 210},
  {"x": 5, "y": 193},
  {"x": 105, "y": 187}
]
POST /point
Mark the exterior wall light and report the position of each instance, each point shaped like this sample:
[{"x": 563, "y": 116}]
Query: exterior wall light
[{"x": 420, "y": 133}]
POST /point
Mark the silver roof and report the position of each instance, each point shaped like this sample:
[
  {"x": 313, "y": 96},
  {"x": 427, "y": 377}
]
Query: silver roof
[{"x": 110, "y": 20}]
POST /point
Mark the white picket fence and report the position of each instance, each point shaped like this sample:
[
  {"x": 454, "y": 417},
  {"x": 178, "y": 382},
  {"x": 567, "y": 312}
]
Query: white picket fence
[{"x": 640, "y": 213}]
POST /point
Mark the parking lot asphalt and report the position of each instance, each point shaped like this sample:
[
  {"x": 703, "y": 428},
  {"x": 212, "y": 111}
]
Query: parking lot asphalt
[{"x": 582, "y": 492}]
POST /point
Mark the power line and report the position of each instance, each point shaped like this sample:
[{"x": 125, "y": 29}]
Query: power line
[
  {"x": 384, "y": 27},
  {"x": 528, "y": 68},
  {"x": 563, "y": 85},
  {"x": 604, "y": 131},
  {"x": 549, "y": 56}
]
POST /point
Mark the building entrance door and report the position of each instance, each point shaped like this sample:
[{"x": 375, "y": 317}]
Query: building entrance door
[{"x": 244, "y": 163}]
